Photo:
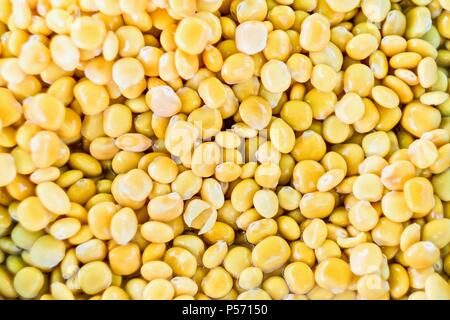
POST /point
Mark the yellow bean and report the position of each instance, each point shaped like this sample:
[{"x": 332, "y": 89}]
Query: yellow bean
[
  {"x": 315, "y": 33},
  {"x": 271, "y": 253}
]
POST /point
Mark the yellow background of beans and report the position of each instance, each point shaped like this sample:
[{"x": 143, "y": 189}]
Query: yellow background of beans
[{"x": 224, "y": 149}]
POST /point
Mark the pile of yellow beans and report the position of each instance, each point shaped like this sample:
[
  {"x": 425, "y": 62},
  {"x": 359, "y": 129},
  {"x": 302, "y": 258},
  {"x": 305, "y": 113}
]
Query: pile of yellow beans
[{"x": 225, "y": 149}]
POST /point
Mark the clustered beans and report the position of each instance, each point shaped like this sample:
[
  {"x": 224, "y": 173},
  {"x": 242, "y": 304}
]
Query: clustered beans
[{"x": 224, "y": 149}]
